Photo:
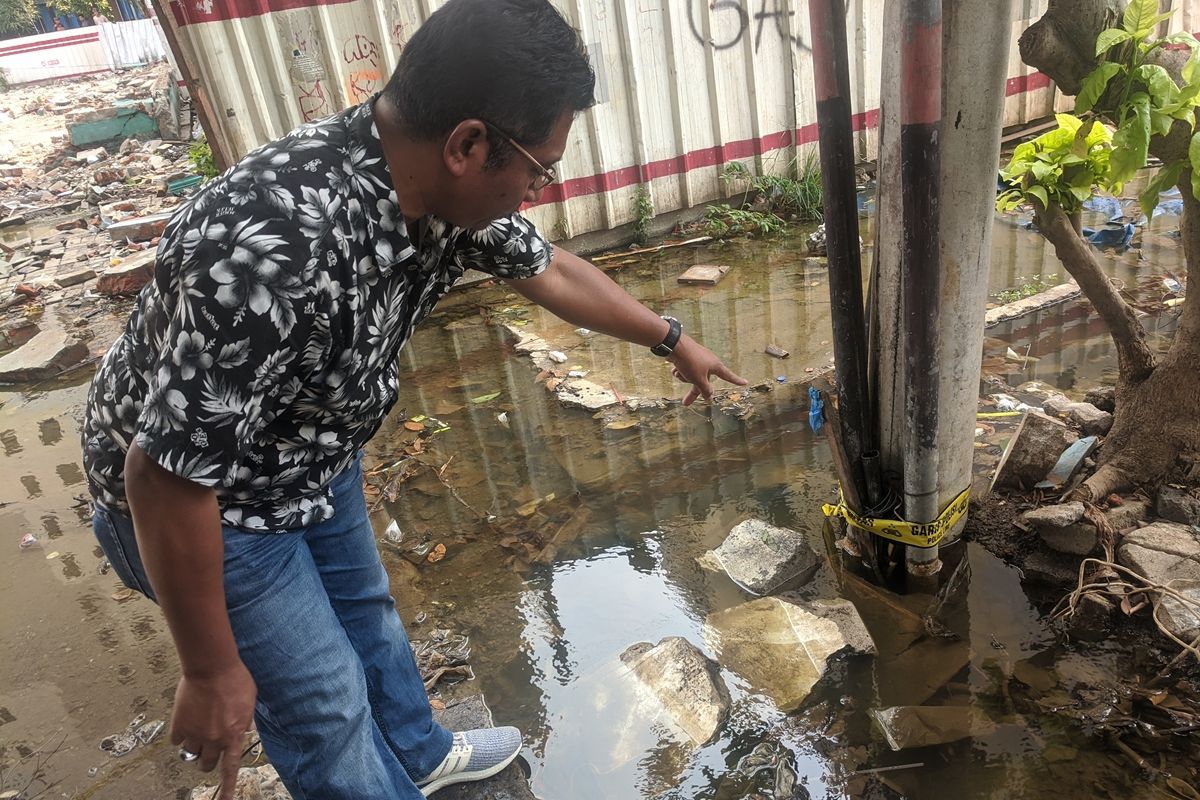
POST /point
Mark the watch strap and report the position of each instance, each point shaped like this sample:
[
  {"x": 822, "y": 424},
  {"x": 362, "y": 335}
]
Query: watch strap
[{"x": 667, "y": 345}]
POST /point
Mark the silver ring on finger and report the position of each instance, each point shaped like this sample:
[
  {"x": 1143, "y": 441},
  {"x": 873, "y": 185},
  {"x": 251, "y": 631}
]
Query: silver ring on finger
[{"x": 188, "y": 756}]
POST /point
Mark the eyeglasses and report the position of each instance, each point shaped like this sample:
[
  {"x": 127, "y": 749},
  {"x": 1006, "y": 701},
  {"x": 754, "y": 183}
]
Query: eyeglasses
[{"x": 548, "y": 176}]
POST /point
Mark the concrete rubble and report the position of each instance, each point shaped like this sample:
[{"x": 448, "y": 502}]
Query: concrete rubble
[
  {"x": 1090, "y": 419},
  {"x": 1177, "y": 504},
  {"x": 1033, "y": 450},
  {"x": 85, "y": 168},
  {"x": 783, "y": 647},
  {"x": 1064, "y": 530},
  {"x": 687, "y": 682},
  {"x": 761, "y": 557},
  {"x": 1168, "y": 554},
  {"x": 924, "y": 726}
]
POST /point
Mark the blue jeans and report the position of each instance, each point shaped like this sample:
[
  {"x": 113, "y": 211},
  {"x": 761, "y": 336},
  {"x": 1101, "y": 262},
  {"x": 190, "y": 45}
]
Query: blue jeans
[{"x": 341, "y": 708}]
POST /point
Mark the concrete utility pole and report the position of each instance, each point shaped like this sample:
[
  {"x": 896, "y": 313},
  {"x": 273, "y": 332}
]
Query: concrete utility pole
[{"x": 975, "y": 43}]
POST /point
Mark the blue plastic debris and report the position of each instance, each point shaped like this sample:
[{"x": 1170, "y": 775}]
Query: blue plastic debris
[
  {"x": 1068, "y": 463},
  {"x": 816, "y": 410},
  {"x": 781, "y": 378},
  {"x": 1110, "y": 207},
  {"x": 1172, "y": 208},
  {"x": 1110, "y": 236}
]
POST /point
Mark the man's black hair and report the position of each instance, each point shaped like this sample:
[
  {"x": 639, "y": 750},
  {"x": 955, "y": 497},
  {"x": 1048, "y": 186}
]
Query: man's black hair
[{"x": 516, "y": 64}]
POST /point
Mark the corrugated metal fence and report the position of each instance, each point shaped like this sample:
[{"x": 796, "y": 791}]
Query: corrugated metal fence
[{"x": 685, "y": 86}]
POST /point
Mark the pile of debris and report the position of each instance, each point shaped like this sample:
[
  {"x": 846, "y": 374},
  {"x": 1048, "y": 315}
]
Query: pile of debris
[{"x": 92, "y": 172}]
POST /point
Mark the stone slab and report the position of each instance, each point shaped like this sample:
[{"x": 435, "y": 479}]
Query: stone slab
[
  {"x": 75, "y": 277},
  {"x": 760, "y": 557},
  {"x": 139, "y": 229},
  {"x": 45, "y": 355},
  {"x": 1168, "y": 553},
  {"x": 782, "y": 648},
  {"x": 686, "y": 682},
  {"x": 129, "y": 276},
  {"x": 1178, "y": 505}
]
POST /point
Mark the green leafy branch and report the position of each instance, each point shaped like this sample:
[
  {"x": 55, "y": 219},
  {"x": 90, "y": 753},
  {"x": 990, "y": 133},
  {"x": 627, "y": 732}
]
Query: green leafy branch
[
  {"x": 1146, "y": 100},
  {"x": 1061, "y": 166}
]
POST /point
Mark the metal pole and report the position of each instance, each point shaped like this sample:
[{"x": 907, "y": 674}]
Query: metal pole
[
  {"x": 920, "y": 121},
  {"x": 831, "y": 78}
]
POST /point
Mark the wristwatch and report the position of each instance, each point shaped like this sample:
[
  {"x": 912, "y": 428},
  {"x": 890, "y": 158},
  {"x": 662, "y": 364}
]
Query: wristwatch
[{"x": 667, "y": 346}]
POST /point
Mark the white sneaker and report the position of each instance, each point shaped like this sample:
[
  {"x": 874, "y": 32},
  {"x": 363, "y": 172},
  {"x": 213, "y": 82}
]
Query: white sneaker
[{"x": 473, "y": 756}]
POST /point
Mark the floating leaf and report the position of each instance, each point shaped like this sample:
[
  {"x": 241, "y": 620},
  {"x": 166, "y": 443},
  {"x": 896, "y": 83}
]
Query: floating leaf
[
  {"x": 622, "y": 424},
  {"x": 436, "y": 554},
  {"x": 529, "y": 508},
  {"x": 413, "y": 425},
  {"x": 485, "y": 398}
]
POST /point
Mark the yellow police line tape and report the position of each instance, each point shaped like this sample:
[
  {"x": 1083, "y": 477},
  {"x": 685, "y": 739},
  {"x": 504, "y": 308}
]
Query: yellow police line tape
[{"x": 915, "y": 534}]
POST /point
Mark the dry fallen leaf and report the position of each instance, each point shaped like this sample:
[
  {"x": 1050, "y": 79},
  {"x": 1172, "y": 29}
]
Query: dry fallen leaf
[
  {"x": 436, "y": 554},
  {"x": 436, "y": 704},
  {"x": 122, "y": 595},
  {"x": 413, "y": 426}
]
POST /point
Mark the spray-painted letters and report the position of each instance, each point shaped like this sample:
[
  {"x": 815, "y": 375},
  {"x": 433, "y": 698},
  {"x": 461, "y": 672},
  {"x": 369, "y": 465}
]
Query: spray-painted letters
[{"x": 731, "y": 19}]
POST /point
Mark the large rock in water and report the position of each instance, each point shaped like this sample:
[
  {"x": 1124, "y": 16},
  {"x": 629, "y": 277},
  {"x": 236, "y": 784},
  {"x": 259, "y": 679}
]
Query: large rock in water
[
  {"x": 924, "y": 726},
  {"x": 781, "y": 647},
  {"x": 1168, "y": 554},
  {"x": 761, "y": 557},
  {"x": 688, "y": 683}
]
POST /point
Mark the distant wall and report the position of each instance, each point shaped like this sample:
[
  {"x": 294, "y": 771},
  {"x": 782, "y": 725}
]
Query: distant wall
[{"x": 686, "y": 86}]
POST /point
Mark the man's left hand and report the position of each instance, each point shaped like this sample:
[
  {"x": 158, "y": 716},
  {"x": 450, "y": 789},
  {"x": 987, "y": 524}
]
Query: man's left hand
[{"x": 697, "y": 365}]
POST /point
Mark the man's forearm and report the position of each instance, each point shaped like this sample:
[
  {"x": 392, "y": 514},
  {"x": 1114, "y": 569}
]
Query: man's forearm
[
  {"x": 178, "y": 528},
  {"x": 581, "y": 294}
]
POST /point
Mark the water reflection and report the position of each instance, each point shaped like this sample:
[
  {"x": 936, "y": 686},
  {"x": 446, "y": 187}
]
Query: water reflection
[
  {"x": 614, "y": 521},
  {"x": 50, "y": 431}
]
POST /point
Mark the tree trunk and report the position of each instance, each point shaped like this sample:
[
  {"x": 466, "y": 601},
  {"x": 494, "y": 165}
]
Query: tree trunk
[
  {"x": 1158, "y": 403},
  {"x": 1157, "y": 417}
]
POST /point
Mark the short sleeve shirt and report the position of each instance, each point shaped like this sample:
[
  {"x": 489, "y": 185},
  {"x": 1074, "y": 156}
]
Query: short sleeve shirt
[{"x": 263, "y": 355}]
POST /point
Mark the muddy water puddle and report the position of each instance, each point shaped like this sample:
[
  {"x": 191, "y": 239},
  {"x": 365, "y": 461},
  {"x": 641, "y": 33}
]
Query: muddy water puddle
[{"x": 565, "y": 540}]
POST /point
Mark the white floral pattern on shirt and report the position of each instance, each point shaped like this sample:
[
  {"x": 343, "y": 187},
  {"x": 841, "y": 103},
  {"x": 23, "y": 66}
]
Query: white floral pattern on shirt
[{"x": 263, "y": 355}]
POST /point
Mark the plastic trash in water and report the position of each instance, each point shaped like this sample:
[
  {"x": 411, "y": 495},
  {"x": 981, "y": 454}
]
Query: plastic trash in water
[
  {"x": 1110, "y": 207},
  {"x": 1005, "y": 402},
  {"x": 27, "y": 541},
  {"x": 1171, "y": 208},
  {"x": 781, "y": 378},
  {"x": 1119, "y": 236},
  {"x": 816, "y": 410},
  {"x": 1172, "y": 284}
]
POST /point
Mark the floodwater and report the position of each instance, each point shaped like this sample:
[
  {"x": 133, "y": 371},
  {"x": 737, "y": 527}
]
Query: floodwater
[{"x": 569, "y": 538}]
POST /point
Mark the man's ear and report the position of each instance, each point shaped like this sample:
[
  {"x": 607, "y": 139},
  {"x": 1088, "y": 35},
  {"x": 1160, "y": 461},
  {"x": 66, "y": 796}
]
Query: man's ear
[{"x": 466, "y": 148}]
